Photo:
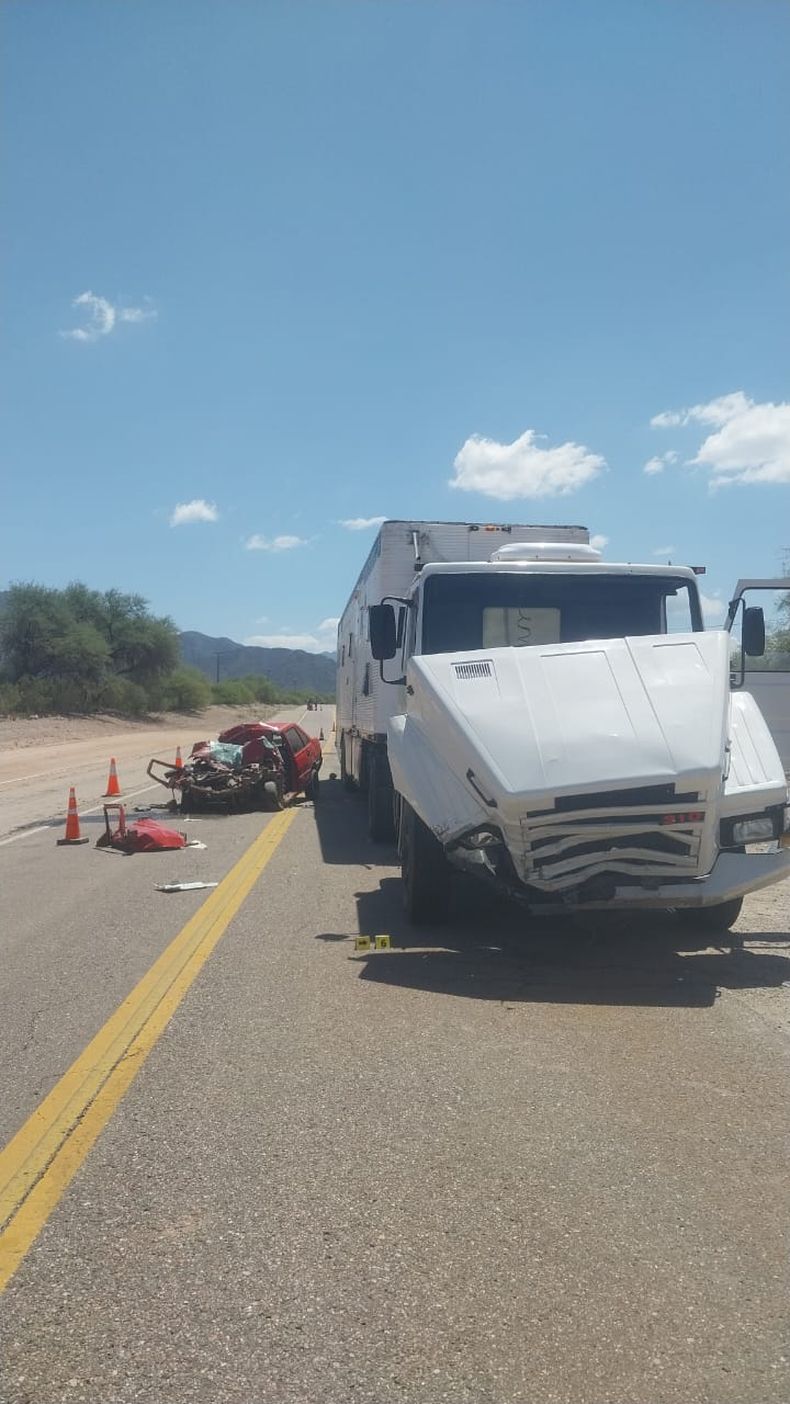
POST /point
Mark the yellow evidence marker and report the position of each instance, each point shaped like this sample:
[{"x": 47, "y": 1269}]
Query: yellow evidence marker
[
  {"x": 362, "y": 943},
  {"x": 382, "y": 943}
]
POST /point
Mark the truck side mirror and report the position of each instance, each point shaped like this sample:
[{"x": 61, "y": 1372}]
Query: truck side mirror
[
  {"x": 753, "y": 632},
  {"x": 383, "y": 633}
]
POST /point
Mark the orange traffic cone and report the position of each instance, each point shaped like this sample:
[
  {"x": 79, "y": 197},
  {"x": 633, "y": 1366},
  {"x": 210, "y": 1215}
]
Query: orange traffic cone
[
  {"x": 321, "y": 734},
  {"x": 72, "y": 834},
  {"x": 179, "y": 762},
  {"x": 113, "y": 786}
]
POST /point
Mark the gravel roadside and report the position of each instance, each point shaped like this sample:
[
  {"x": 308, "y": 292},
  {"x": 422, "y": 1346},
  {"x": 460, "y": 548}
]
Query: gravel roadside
[{"x": 21, "y": 732}]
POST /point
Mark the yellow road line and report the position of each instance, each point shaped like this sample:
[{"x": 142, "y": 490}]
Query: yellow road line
[{"x": 45, "y": 1154}]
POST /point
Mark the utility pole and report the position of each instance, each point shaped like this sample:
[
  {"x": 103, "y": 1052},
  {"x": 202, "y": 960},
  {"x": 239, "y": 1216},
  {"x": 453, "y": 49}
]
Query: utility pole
[{"x": 229, "y": 653}]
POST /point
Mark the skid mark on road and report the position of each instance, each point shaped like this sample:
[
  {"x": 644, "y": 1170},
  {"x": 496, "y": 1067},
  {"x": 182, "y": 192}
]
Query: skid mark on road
[{"x": 38, "y": 1164}]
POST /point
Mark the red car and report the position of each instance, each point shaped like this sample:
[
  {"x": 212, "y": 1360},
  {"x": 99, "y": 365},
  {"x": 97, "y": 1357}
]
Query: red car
[{"x": 301, "y": 754}]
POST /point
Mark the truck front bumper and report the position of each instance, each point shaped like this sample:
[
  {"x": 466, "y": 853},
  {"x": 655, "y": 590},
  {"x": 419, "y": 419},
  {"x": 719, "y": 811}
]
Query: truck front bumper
[{"x": 732, "y": 875}]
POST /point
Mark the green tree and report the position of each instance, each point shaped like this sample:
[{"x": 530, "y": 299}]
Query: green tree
[
  {"x": 31, "y": 626},
  {"x": 81, "y": 649},
  {"x": 187, "y": 690},
  {"x": 234, "y": 692}
]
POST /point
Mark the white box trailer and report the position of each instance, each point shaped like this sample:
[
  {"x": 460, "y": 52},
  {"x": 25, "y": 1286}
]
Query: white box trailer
[{"x": 365, "y": 702}]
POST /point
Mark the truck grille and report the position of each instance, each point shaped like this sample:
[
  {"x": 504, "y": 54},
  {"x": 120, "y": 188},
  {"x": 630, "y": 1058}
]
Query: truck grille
[{"x": 562, "y": 847}]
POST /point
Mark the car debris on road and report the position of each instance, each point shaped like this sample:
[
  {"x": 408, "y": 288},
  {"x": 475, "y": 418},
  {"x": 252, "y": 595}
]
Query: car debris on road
[
  {"x": 254, "y": 765},
  {"x": 140, "y": 835},
  {"x": 182, "y": 886}
]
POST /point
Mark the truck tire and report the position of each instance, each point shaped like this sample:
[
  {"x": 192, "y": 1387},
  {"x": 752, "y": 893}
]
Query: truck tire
[
  {"x": 711, "y": 920},
  {"x": 424, "y": 872},
  {"x": 381, "y": 825},
  {"x": 346, "y": 780}
]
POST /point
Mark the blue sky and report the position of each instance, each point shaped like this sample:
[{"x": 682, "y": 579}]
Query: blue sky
[{"x": 335, "y": 255}]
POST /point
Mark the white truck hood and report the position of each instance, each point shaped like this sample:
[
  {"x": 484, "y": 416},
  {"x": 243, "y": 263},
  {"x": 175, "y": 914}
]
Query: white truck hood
[
  {"x": 590, "y": 759},
  {"x": 580, "y": 717}
]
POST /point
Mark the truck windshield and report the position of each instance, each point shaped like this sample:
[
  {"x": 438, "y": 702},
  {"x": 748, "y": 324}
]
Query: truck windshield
[{"x": 482, "y": 610}]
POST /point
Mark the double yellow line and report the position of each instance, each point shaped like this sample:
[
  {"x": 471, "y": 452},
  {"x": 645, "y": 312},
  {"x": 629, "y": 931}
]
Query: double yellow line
[{"x": 46, "y": 1153}]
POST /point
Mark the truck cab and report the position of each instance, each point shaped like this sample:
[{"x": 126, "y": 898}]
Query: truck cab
[{"x": 567, "y": 730}]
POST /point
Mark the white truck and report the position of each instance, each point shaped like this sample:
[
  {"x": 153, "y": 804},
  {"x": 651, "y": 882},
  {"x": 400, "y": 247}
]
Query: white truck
[{"x": 561, "y": 727}]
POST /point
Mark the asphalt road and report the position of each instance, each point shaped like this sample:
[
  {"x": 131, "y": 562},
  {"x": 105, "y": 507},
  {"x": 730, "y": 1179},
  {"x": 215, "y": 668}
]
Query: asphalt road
[{"x": 486, "y": 1165}]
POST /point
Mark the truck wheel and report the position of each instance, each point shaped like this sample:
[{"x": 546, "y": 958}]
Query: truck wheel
[
  {"x": 346, "y": 780},
  {"x": 380, "y": 818},
  {"x": 424, "y": 872},
  {"x": 711, "y": 919}
]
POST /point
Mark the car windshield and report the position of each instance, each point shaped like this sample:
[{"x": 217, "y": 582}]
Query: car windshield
[{"x": 492, "y": 610}]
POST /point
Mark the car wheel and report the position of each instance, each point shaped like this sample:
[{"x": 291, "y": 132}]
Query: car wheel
[
  {"x": 273, "y": 795},
  {"x": 424, "y": 872},
  {"x": 711, "y": 920},
  {"x": 312, "y": 790}
]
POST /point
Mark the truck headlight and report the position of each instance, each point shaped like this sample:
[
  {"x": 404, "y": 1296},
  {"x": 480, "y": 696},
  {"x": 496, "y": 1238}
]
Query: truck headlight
[
  {"x": 754, "y": 830},
  {"x": 480, "y": 838}
]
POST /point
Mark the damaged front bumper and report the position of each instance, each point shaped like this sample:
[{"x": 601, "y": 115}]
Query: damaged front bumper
[{"x": 733, "y": 875}]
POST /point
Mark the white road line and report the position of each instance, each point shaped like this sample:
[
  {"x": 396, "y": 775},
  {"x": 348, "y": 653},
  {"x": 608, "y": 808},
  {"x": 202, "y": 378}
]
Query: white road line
[
  {"x": 40, "y": 775},
  {"x": 56, "y": 774},
  {"x": 29, "y": 833},
  {"x": 53, "y": 823}
]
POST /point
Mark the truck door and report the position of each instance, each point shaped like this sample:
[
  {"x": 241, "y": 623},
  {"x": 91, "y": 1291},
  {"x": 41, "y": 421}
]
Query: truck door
[{"x": 765, "y": 676}]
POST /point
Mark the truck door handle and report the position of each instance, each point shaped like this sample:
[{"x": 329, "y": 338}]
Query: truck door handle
[{"x": 489, "y": 803}]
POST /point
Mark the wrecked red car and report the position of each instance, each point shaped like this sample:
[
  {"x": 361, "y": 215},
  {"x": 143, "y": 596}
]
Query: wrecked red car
[
  {"x": 253, "y": 765},
  {"x": 301, "y": 754}
]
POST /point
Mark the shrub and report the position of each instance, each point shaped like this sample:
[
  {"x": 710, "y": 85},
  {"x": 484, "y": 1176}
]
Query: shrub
[
  {"x": 233, "y": 693},
  {"x": 37, "y": 695},
  {"x": 10, "y": 700},
  {"x": 186, "y": 690},
  {"x": 121, "y": 695}
]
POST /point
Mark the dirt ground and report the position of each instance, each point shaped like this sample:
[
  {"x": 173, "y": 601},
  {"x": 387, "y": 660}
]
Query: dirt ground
[{"x": 21, "y": 732}]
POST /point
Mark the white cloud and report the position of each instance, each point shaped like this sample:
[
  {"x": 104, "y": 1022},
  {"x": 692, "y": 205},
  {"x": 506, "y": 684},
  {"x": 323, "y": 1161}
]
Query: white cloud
[
  {"x": 667, "y": 419},
  {"x": 713, "y": 609},
  {"x": 322, "y": 640},
  {"x": 750, "y": 442},
  {"x": 361, "y": 523},
  {"x": 103, "y": 316},
  {"x": 523, "y": 468},
  {"x": 599, "y": 542},
  {"x": 717, "y": 411},
  {"x": 665, "y": 550},
  {"x": 659, "y": 463},
  {"x": 256, "y": 542},
  {"x": 198, "y": 510},
  {"x": 137, "y": 314}
]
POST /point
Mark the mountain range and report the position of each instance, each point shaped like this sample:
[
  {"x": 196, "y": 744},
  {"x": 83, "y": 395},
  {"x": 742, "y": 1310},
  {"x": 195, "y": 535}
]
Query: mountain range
[{"x": 286, "y": 667}]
